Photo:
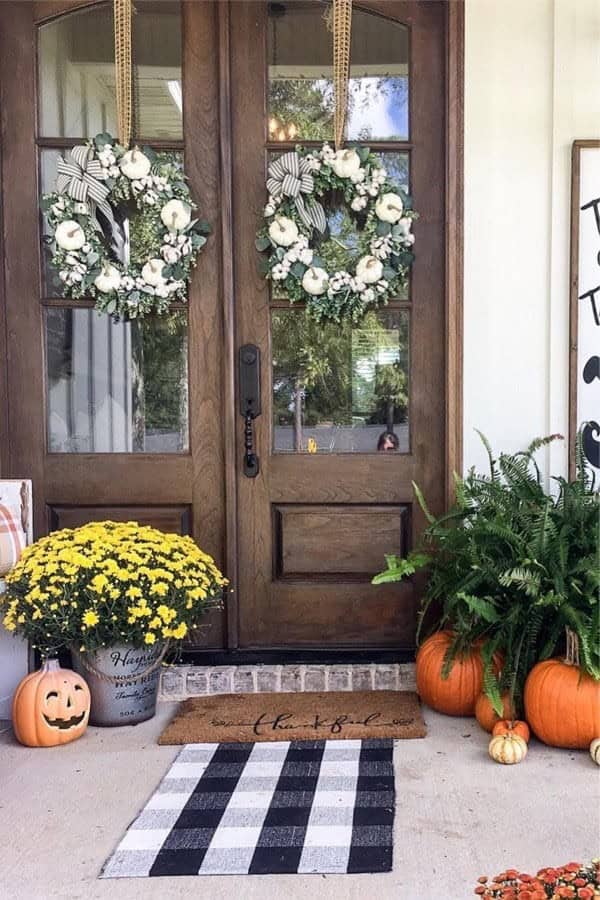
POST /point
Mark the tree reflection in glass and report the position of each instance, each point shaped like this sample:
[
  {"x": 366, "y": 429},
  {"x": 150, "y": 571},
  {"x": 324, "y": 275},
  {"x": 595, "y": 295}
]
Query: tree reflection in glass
[
  {"x": 300, "y": 75},
  {"x": 339, "y": 386}
]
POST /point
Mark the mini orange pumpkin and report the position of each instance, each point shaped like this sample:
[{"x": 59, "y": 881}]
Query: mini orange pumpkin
[
  {"x": 512, "y": 726},
  {"x": 486, "y": 714},
  {"x": 457, "y": 694},
  {"x": 50, "y": 707}
]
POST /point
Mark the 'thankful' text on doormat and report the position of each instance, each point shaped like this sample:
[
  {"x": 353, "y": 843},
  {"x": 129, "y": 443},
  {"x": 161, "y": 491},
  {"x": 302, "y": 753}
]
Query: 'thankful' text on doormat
[
  {"x": 266, "y": 808},
  {"x": 297, "y": 716}
]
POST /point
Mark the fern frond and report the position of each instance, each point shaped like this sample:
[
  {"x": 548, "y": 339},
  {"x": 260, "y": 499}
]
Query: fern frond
[
  {"x": 421, "y": 499},
  {"x": 488, "y": 450}
]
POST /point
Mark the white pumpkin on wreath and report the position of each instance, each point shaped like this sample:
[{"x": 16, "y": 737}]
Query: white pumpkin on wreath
[
  {"x": 299, "y": 183},
  {"x": 121, "y": 228}
]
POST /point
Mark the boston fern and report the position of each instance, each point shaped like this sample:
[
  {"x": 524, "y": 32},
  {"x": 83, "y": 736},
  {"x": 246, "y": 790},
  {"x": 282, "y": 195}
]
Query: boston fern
[{"x": 513, "y": 565}]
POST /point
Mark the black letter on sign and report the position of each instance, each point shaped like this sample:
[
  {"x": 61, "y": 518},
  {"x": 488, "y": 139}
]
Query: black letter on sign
[
  {"x": 591, "y": 369},
  {"x": 596, "y": 205},
  {"x": 592, "y": 295},
  {"x": 591, "y": 443}
]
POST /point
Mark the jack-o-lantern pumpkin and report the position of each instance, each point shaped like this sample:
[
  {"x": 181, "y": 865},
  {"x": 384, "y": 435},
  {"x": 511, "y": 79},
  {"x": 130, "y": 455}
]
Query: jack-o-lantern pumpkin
[{"x": 50, "y": 707}]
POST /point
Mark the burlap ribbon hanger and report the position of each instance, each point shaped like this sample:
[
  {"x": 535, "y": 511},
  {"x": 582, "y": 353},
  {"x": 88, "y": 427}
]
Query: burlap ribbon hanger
[
  {"x": 123, "y": 71},
  {"x": 341, "y": 25}
]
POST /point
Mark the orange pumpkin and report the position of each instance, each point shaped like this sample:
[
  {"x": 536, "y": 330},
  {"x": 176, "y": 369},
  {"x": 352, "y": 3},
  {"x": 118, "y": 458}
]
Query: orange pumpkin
[
  {"x": 512, "y": 726},
  {"x": 562, "y": 704},
  {"x": 455, "y": 695},
  {"x": 50, "y": 707},
  {"x": 486, "y": 714}
]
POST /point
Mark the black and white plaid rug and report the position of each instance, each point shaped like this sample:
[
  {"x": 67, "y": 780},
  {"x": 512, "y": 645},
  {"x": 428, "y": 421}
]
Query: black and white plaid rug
[{"x": 266, "y": 808}]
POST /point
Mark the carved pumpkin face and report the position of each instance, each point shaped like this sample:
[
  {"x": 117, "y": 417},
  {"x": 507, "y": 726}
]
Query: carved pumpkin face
[{"x": 51, "y": 707}]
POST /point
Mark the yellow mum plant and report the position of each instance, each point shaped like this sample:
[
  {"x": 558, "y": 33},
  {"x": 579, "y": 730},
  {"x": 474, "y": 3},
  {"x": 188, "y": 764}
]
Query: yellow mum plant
[{"x": 109, "y": 583}]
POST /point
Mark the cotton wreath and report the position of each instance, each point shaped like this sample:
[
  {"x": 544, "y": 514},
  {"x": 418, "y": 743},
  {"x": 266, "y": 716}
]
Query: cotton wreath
[
  {"x": 299, "y": 183},
  {"x": 142, "y": 265}
]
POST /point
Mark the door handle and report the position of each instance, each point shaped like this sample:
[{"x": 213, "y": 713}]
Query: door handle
[{"x": 249, "y": 394}]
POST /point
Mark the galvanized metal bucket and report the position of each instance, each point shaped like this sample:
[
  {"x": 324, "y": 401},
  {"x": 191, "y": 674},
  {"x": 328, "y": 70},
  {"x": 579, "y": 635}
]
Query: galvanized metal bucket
[{"x": 123, "y": 682}]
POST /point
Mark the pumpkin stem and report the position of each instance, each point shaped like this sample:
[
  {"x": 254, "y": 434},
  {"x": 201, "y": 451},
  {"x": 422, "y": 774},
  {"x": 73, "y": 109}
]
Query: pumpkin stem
[
  {"x": 51, "y": 665},
  {"x": 572, "y": 652}
]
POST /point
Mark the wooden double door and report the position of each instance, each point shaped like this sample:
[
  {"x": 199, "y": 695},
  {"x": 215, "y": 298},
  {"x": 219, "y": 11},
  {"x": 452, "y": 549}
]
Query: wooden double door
[{"x": 142, "y": 421}]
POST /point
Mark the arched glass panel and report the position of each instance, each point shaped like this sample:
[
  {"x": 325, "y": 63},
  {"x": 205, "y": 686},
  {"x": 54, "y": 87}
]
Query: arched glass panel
[
  {"x": 77, "y": 73},
  {"x": 300, "y": 75}
]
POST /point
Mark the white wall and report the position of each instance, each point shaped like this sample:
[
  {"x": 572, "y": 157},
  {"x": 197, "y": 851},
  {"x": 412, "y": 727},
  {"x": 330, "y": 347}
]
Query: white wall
[{"x": 532, "y": 86}]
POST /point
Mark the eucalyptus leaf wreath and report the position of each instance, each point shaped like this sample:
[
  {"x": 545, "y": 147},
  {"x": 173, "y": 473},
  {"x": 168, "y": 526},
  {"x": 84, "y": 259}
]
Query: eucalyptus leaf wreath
[
  {"x": 301, "y": 184},
  {"x": 121, "y": 228}
]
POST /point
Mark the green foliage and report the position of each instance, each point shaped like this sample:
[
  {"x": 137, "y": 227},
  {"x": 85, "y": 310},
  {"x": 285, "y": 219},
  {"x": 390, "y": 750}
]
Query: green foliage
[
  {"x": 513, "y": 565},
  {"x": 398, "y": 568}
]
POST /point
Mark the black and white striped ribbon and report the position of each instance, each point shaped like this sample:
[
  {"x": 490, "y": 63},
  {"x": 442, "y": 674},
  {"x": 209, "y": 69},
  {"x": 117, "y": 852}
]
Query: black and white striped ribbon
[
  {"x": 290, "y": 176},
  {"x": 82, "y": 177}
]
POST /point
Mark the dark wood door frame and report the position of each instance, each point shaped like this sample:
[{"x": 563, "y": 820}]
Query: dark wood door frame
[{"x": 44, "y": 10}]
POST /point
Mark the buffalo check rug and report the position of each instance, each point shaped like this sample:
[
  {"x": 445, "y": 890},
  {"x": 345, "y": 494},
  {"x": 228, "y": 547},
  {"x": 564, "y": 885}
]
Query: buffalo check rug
[{"x": 266, "y": 808}]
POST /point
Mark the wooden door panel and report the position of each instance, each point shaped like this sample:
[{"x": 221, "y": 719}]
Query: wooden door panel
[
  {"x": 336, "y": 615},
  {"x": 174, "y": 491},
  {"x": 170, "y": 519},
  {"x": 372, "y": 478},
  {"x": 303, "y": 563},
  {"x": 333, "y": 542}
]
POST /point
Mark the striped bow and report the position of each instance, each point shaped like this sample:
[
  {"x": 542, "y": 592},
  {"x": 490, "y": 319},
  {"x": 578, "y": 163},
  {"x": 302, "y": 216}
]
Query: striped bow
[
  {"x": 289, "y": 176},
  {"x": 81, "y": 177}
]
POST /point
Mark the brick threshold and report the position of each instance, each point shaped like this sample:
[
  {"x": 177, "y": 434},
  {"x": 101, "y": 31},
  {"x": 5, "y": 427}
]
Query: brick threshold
[{"x": 179, "y": 682}]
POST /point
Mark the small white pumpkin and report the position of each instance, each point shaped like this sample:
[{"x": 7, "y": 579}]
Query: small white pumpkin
[
  {"x": 369, "y": 269},
  {"x": 108, "y": 280},
  {"x": 152, "y": 272},
  {"x": 283, "y": 231},
  {"x": 405, "y": 225},
  {"x": 135, "y": 164},
  {"x": 508, "y": 749},
  {"x": 69, "y": 235},
  {"x": 176, "y": 215},
  {"x": 346, "y": 163},
  {"x": 315, "y": 281},
  {"x": 595, "y": 750},
  {"x": 389, "y": 207}
]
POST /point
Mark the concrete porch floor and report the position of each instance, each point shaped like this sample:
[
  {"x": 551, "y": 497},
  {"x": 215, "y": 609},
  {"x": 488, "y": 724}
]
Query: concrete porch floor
[{"x": 459, "y": 815}]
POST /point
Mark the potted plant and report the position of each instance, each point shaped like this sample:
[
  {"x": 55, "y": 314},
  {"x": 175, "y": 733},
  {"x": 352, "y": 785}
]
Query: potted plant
[
  {"x": 508, "y": 567},
  {"x": 117, "y": 594}
]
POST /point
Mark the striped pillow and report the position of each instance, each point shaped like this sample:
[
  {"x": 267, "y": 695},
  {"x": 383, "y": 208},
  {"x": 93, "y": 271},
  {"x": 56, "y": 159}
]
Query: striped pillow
[{"x": 12, "y": 538}]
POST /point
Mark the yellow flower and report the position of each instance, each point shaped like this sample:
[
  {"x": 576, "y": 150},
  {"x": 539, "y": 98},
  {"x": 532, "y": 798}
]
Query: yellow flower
[
  {"x": 98, "y": 583},
  {"x": 90, "y": 618},
  {"x": 149, "y": 638},
  {"x": 166, "y": 614},
  {"x": 156, "y": 622},
  {"x": 9, "y": 622},
  {"x": 181, "y": 631},
  {"x": 133, "y": 592},
  {"x": 160, "y": 588}
]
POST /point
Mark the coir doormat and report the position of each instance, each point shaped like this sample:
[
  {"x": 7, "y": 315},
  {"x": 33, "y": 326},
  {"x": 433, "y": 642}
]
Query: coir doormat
[
  {"x": 297, "y": 716},
  {"x": 266, "y": 808}
]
